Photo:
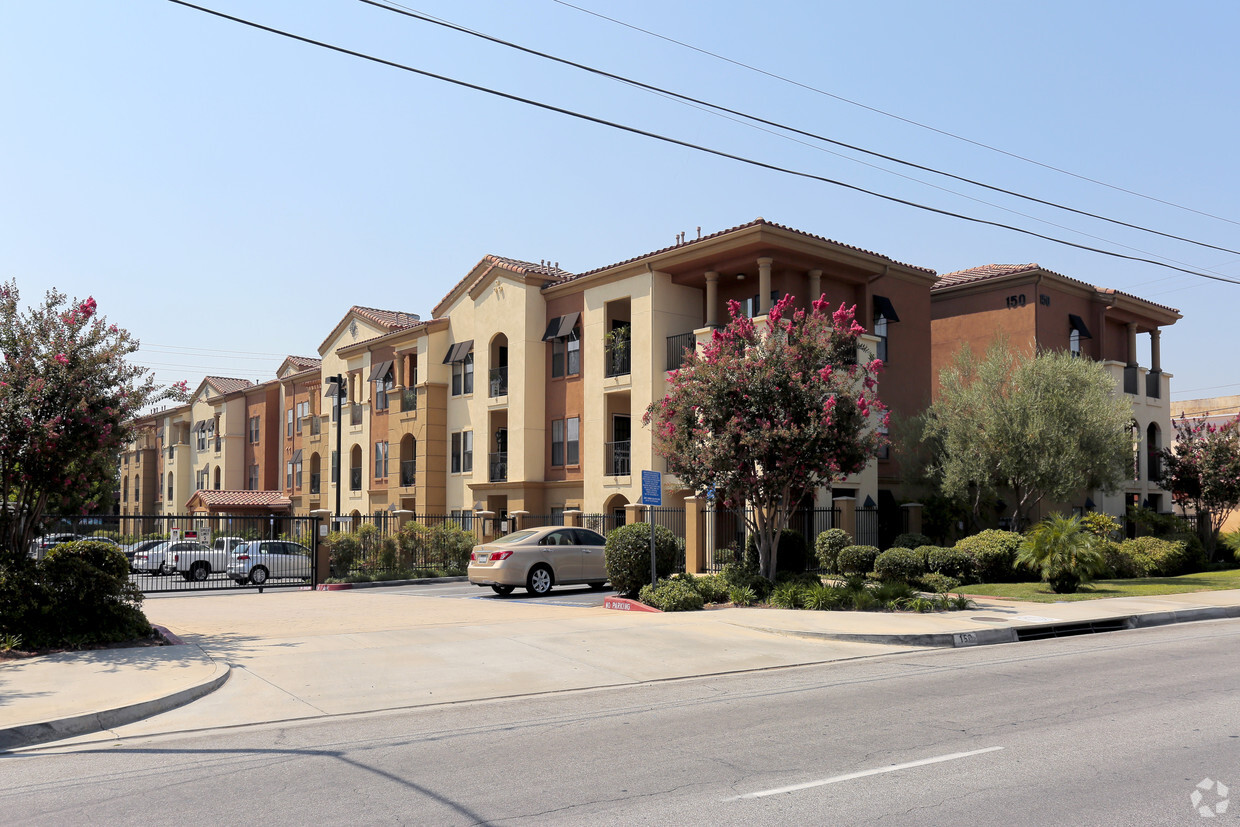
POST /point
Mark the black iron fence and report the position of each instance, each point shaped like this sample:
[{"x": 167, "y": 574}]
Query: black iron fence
[
  {"x": 389, "y": 546},
  {"x": 183, "y": 552}
]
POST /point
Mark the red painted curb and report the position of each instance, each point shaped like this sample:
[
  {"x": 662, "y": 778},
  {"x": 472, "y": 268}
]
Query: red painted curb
[
  {"x": 626, "y": 605},
  {"x": 334, "y": 587},
  {"x": 169, "y": 638}
]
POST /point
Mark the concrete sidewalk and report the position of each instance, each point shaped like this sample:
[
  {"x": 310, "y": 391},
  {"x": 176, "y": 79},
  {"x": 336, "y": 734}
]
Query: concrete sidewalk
[{"x": 288, "y": 655}]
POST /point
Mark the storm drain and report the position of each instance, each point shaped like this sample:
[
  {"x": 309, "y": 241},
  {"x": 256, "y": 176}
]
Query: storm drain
[{"x": 1089, "y": 627}]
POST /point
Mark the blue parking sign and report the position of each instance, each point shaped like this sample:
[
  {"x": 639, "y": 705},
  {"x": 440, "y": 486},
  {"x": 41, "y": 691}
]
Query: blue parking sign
[{"x": 652, "y": 488}]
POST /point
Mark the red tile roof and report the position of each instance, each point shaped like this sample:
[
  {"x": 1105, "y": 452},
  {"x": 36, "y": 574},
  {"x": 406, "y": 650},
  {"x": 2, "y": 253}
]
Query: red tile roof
[
  {"x": 994, "y": 271},
  {"x": 226, "y": 385},
  {"x": 304, "y": 362},
  {"x": 243, "y": 499},
  {"x": 391, "y": 319}
]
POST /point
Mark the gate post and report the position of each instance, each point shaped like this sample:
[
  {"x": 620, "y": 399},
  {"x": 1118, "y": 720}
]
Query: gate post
[
  {"x": 572, "y": 518},
  {"x": 322, "y": 549},
  {"x": 848, "y": 514},
  {"x": 912, "y": 518},
  {"x": 695, "y": 536}
]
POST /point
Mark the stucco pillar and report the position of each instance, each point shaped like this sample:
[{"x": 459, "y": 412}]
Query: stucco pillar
[
  {"x": 912, "y": 517},
  {"x": 1155, "y": 351},
  {"x": 517, "y": 520},
  {"x": 848, "y": 514},
  {"x": 1132, "y": 344},
  {"x": 712, "y": 298},
  {"x": 695, "y": 535},
  {"x": 572, "y": 518},
  {"x": 484, "y": 526},
  {"x": 815, "y": 286},
  {"x": 764, "y": 285},
  {"x": 634, "y": 513}
]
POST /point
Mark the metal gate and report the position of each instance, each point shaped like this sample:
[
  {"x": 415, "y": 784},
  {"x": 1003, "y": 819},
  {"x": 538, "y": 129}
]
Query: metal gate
[{"x": 196, "y": 552}]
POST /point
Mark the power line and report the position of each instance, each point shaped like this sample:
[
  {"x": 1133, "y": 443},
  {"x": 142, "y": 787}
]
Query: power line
[
  {"x": 901, "y": 118},
  {"x": 696, "y": 147},
  {"x": 397, "y": 8}
]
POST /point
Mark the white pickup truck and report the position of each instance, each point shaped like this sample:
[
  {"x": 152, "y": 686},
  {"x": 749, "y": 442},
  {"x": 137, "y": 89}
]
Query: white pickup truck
[{"x": 201, "y": 563}]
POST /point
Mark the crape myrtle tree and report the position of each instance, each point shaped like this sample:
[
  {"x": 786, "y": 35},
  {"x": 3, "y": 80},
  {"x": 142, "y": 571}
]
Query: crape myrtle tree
[
  {"x": 1202, "y": 471},
  {"x": 764, "y": 416},
  {"x": 1033, "y": 429},
  {"x": 67, "y": 396}
]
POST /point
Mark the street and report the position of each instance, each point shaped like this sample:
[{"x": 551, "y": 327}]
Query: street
[{"x": 1117, "y": 728}]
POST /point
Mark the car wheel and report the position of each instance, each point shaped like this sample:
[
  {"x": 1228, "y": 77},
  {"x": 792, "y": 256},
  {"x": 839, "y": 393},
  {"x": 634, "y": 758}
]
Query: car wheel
[
  {"x": 188, "y": 575},
  {"x": 540, "y": 581},
  {"x": 502, "y": 589},
  {"x": 258, "y": 575},
  {"x": 153, "y": 572},
  {"x": 598, "y": 587},
  {"x": 199, "y": 572}
]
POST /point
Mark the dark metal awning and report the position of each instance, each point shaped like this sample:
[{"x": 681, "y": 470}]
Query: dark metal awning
[
  {"x": 333, "y": 390},
  {"x": 1078, "y": 324},
  {"x": 458, "y": 351},
  {"x": 561, "y": 326},
  {"x": 883, "y": 307},
  {"x": 297, "y": 456},
  {"x": 380, "y": 371}
]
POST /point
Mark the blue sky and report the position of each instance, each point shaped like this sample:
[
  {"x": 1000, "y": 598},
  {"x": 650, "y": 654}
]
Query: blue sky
[{"x": 191, "y": 173}]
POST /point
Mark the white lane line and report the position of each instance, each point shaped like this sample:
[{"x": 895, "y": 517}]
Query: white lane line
[{"x": 862, "y": 774}]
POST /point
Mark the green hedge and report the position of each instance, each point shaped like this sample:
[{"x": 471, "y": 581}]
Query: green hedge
[
  {"x": 910, "y": 540},
  {"x": 673, "y": 595},
  {"x": 857, "y": 559},
  {"x": 828, "y": 545},
  {"x": 995, "y": 554},
  {"x": 952, "y": 562},
  {"x": 899, "y": 564},
  {"x": 1155, "y": 557},
  {"x": 627, "y": 556}
]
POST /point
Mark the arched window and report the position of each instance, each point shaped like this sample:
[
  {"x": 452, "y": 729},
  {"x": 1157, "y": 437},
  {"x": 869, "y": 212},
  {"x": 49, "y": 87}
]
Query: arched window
[
  {"x": 355, "y": 468},
  {"x": 1153, "y": 448}
]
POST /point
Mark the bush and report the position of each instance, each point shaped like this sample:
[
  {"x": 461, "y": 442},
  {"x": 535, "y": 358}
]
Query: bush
[
  {"x": 910, "y": 540},
  {"x": 1155, "y": 557},
  {"x": 723, "y": 556},
  {"x": 828, "y": 545},
  {"x": 345, "y": 550},
  {"x": 627, "y": 556},
  {"x": 742, "y": 596},
  {"x": 1118, "y": 563},
  {"x": 899, "y": 564},
  {"x": 671, "y": 595},
  {"x": 712, "y": 588},
  {"x": 793, "y": 554},
  {"x": 740, "y": 576},
  {"x": 995, "y": 553},
  {"x": 103, "y": 556},
  {"x": 953, "y": 562},
  {"x": 787, "y": 596},
  {"x": 939, "y": 583},
  {"x": 445, "y": 546},
  {"x": 857, "y": 559}
]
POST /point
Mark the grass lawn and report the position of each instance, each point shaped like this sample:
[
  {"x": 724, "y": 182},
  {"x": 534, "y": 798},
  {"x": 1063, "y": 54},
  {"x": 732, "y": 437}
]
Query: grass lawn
[{"x": 1205, "y": 581}]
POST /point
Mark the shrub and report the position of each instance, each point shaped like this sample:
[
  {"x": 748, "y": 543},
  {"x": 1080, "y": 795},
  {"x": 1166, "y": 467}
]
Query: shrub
[
  {"x": 787, "y": 596},
  {"x": 828, "y": 545},
  {"x": 995, "y": 553},
  {"x": 1101, "y": 525},
  {"x": 712, "y": 588},
  {"x": 939, "y": 583},
  {"x": 822, "y": 598},
  {"x": 952, "y": 562},
  {"x": 1155, "y": 557},
  {"x": 893, "y": 594},
  {"x": 627, "y": 556},
  {"x": 899, "y": 564},
  {"x": 103, "y": 556},
  {"x": 723, "y": 556},
  {"x": 793, "y": 554},
  {"x": 742, "y": 596},
  {"x": 910, "y": 540},
  {"x": 671, "y": 595},
  {"x": 445, "y": 546},
  {"x": 345, "y": 550},
  {"x": 1063, "y": 552},
  {"x": 857, "y": 559},
  {"x": 737, "y": 575}
]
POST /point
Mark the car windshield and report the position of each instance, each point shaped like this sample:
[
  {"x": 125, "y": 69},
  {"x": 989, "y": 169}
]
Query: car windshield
[
  {"x": 515, "y": 537},
  {"x": 242, "y": 548}
]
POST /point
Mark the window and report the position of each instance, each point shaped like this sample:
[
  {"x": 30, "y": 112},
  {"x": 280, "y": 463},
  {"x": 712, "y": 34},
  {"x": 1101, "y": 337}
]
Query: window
[
  {"x": 572, "y": 426},
  {"x": 885, "y": 451},
  {"x": 463, "y": 375},
  {"x": 456, "y": 453},
  {"x": 1074, "y": 343},
  {"x": 201, "y": 430},
  {"x": 125, "y": 491},
  {"x": 254, "y": 431},
  {"x": 381, "y": 460},
  {"x": 288, "y": 423},
  {"x": 252, "y": 484},
  {"x": 880, "y": 330},
  {"x": 169, "y": 486},
  {"x": 557, "y": 443},
  {"x": 1079, "y": 332},
  {"x": 462, "y": 452},
  {"x": 303, "y": 412},
  {"x": 382, "y": 386},
  {"x": 137, "y": 497},
  {"x": 574, "y": 354},
  {"x": 884, "y": 313},
  {"x": 336, "y": 467},
  {"x": 566, "y": 355},
  {"x": 288, "y": 475}
]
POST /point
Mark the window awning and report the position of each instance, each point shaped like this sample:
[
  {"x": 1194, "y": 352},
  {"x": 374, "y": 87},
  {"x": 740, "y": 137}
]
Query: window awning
[
  {"x": 380, "y": 371},
  {"x": 1078, "y": 324},
  {"x": 333, "y": 390},
  {"x": 458, "y": 351},
  {"x": 883, "y": 307},
  {"x": 297, "y": 456},
  {"x": 561, "y": 327}
]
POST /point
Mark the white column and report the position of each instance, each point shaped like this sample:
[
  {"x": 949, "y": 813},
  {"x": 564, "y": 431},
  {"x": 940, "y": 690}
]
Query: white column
[
  {"x": 815, "y": 286},
  {"x": 764, "y": 285},
  {"x": 712, "y": 298}
]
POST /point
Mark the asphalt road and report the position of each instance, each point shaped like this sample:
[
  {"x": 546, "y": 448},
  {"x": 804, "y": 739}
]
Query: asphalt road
[{"x": 1108, "y": 729}]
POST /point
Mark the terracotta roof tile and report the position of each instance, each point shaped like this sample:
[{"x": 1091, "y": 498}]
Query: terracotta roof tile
[
  {"x": 225, "y": 384},
  {"x": 305, "y": 362},
  {"x": 391, "y": 319},
  {"x": 244, "y": 499},
  {"x": 994, "y": 271}
]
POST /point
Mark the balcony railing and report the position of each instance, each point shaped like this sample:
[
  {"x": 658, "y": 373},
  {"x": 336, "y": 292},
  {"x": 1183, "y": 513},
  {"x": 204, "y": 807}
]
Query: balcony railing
[
  {"x": 617, "y": 458},
  {"x": 408, "y": 472},
  {"x": 1130, "y": 379},
  {"x": 355, "y": 479},
  {"x": 619, "y": 360},
  {"x": 409, "y": 400},
  {"x": 676, "y": 347},
  {"x": 499, "y": 381},
  {"x": 1153, "y": 384},
  {"x": 1155, "y": 463},
  {"x": 355, "y": 413},
  {"x": 499, "y": 466}
]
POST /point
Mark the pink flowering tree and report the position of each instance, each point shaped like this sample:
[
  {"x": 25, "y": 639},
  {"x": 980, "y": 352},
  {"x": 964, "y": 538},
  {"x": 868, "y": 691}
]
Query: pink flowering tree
[
  {"x": 764, "y": 416},
  {"x": 67, "y": 396},
  {"x": 1202, "y": 472}
]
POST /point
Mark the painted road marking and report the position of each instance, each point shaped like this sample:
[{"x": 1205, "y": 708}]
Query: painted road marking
[{"x": 862, "y": 774}]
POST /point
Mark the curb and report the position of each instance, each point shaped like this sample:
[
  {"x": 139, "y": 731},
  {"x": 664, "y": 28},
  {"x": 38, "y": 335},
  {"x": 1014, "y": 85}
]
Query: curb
[
  {"x": 376, "y": 584},
  {"x": 626, "y": 605},
  {"x": 26, "y": 735}
]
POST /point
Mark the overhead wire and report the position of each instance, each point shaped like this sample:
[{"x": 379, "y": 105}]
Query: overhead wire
[
  {"x": 689, "y": 145},
  {"x": 887, "y": 114}
]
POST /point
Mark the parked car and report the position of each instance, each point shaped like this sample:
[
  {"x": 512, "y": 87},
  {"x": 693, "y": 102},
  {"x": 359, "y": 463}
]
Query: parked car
[
  {"x": 539, "y": 558},
  {"x": 258, "y": 561},
  {"x": 202, "y": 561},
  {"x": 158, "y": 559},
  {"x": 133, "y": 548},
  {"x": 227, "y": 544},
  {"x": 40, "y": 546}
]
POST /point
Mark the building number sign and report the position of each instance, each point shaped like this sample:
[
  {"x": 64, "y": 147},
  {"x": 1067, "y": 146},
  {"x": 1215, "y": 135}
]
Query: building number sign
[{"x": 1018, "y": 300}]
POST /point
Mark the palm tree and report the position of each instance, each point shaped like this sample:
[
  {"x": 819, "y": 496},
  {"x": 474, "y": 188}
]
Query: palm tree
[{"x": 1065, "y": 552}]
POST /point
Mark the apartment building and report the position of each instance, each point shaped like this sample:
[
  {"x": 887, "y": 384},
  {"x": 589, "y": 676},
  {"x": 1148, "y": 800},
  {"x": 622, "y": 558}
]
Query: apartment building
[
  {"x": 1214, "y": 410},
  {"x": 1039, "y": 309}
]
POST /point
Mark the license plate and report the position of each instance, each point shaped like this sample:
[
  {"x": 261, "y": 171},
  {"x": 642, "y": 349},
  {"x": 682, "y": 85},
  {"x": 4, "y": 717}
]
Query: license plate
[{"x": 482, "y": 558}]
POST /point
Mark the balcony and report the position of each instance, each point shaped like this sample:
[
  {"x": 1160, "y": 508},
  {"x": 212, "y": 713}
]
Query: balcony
[
  {"x": 616, "y": 458},
  {"x": 408, "y": 472},
  {"x": 618, "y": 359},
  {"x": 498, "y": 382},
  {"x": 499, "y": 466},
  {"x": 408, "y": 400},
  {"x": 1153, "y": 384},
  {"x": 315, "y": 483},
  {"x": 1155, "y": 467},
  {"x": 355, "y": 413},
  {"x": 355, "y": 479},
  {"x": 676, "y": 347},
  {"x": 1131, "y": 375}
]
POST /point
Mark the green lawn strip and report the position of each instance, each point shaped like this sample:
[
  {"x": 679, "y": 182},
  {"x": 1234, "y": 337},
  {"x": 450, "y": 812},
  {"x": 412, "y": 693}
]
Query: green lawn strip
[{"x": 1204, "y": 581}]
